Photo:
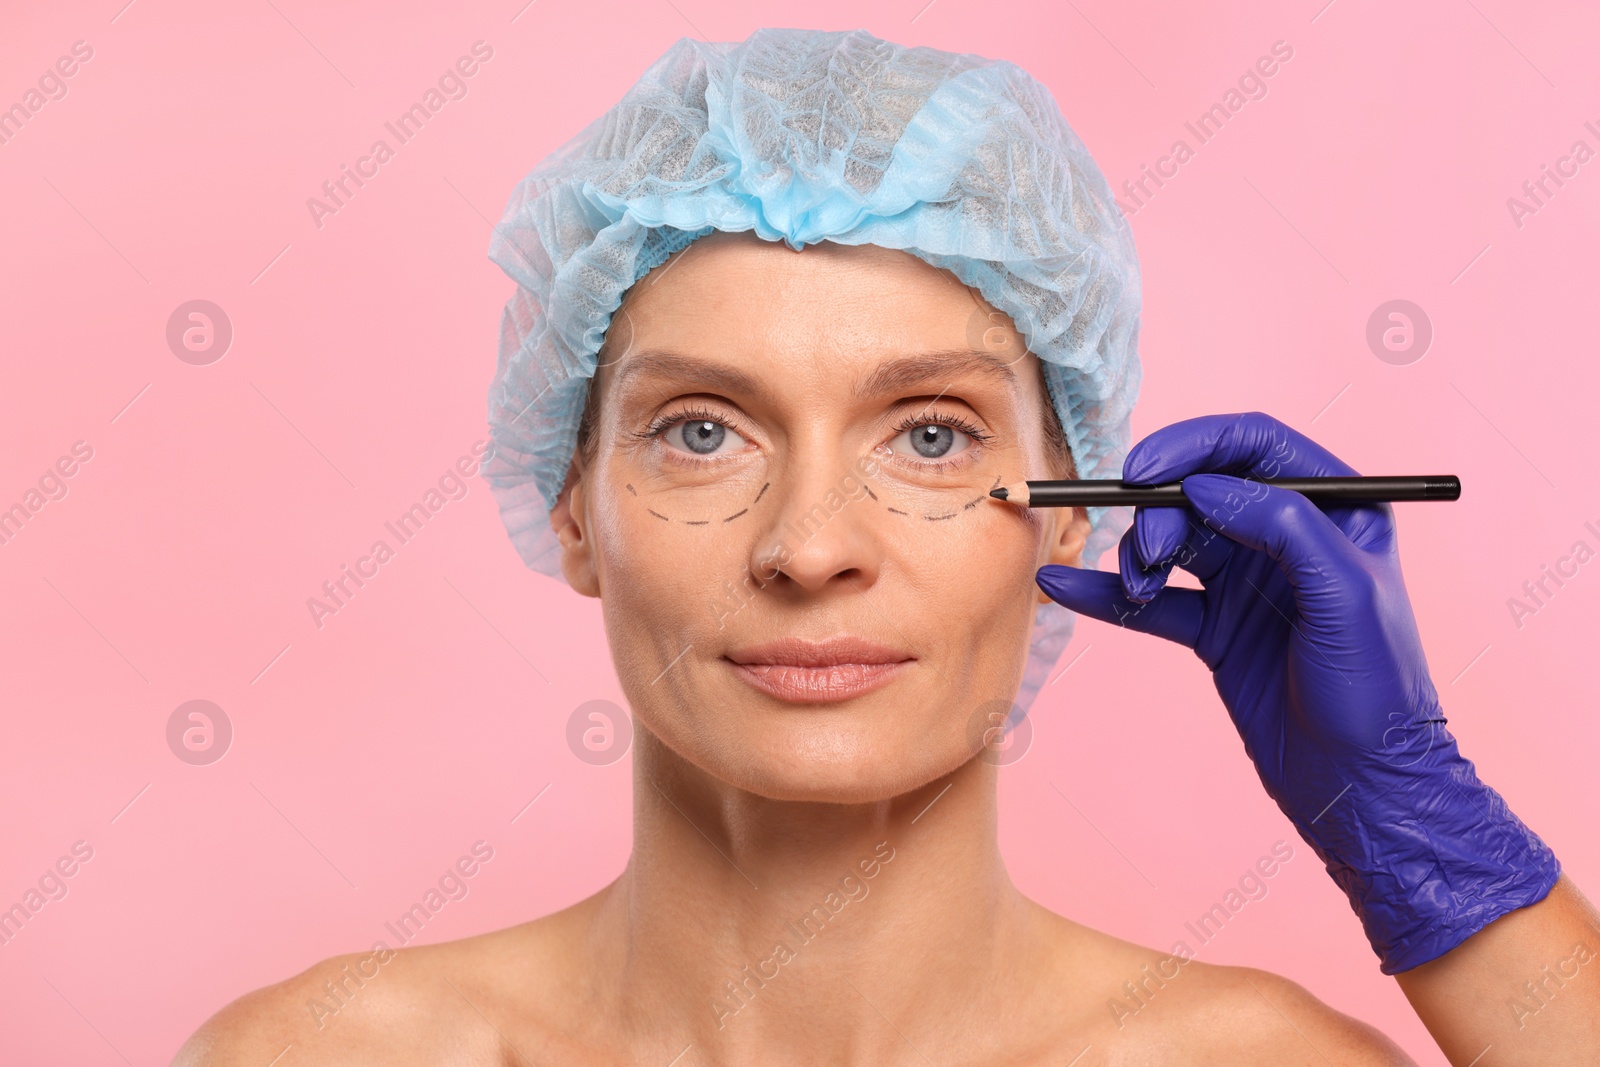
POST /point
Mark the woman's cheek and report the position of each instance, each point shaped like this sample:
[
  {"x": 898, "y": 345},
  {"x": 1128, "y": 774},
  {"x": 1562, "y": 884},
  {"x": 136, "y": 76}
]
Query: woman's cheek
[
  {"x": 996, "y": 537},
  {"x": 994, "y": 575},
  {"x": 660, "y": 569}
]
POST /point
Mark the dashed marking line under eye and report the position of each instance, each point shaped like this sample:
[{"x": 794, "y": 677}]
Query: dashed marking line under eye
[
  {"x": 701, "y": 522},
  {"x": 893, "y": 511}
]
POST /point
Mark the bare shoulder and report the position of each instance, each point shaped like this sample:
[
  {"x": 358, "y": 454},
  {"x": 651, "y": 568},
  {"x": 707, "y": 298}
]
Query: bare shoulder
[
  {"x": 378, "y": 1004},
  {"x": 1209, "y": 1014},
  {"x": 1242, "y": 1015},
  {"x": 450, "y": 1002},
  {"x": 1138, "y": 1006}
]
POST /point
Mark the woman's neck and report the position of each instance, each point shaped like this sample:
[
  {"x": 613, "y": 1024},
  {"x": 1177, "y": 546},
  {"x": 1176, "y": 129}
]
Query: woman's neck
[{"x": 742, "y": 922}]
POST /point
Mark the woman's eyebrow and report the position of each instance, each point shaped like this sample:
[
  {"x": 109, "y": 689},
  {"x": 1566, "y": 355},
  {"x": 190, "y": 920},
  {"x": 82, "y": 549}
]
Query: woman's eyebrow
[
  {"x": 935, "y": 367},
  {"x": 896, "y": 375},
  {"x": 714, "y": 376}
]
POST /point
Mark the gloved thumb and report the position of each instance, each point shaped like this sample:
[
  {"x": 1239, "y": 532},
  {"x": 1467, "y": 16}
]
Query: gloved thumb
[{"x": 1174, "y": 613}]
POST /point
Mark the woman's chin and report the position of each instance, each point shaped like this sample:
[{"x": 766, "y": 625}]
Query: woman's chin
[
  {"x": 865, "y": 749},
  {"x": 838, "y": 767}
]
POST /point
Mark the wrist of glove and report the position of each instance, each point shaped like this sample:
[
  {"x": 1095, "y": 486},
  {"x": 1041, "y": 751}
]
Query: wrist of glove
[{"x": 1426, "y": 853}]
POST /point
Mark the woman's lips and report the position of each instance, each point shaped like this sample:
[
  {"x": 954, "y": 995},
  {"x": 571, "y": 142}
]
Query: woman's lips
[
  {"x": 802, "y": 671},
  {"x": 819, "y": 685}
]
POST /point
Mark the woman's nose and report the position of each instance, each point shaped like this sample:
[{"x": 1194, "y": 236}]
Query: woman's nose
[{"x": 820, "y": 532}]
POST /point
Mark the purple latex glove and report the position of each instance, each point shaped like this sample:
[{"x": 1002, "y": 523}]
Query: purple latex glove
[{"x": 1305, "y": 626}]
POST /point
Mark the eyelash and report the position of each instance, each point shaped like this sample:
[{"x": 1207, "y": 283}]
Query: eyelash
[
  {"x": 979, "y": 437},
  {"x": 662, "y": 423}
]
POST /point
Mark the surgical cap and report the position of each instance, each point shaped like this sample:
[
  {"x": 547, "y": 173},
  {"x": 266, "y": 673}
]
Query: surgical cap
[{"x": 804, "y": 136}]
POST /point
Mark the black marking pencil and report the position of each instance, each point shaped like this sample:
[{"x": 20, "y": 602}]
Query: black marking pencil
[{"x": 1107, "y": 492}]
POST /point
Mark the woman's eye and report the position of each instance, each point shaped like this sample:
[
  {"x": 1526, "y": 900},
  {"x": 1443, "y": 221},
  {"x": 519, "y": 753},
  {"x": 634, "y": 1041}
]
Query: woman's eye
[
  {"x": 933, "y": 441},
  {"x": 701, "y": 437}
]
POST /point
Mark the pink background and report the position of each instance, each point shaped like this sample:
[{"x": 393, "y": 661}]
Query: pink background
[{"x": 426, "y": 714}]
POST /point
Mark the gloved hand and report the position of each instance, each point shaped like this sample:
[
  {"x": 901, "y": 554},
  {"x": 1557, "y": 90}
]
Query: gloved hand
[{"x": 1305, "y": 625}]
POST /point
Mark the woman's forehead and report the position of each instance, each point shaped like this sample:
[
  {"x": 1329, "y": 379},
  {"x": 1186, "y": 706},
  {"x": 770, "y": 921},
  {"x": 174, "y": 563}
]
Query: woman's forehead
[
  {"x": 741, "y": 276},
  {"x": 733, "y": 298},
  {"x": 889, "y": 377}
]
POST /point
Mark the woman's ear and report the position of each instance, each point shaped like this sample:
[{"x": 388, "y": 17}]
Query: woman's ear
[
  {"x": 570, "y": 522},
  {"x": 1070, "y": 534}
]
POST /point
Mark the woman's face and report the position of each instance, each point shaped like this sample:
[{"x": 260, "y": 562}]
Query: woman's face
[{"x": 797, "y": 447}]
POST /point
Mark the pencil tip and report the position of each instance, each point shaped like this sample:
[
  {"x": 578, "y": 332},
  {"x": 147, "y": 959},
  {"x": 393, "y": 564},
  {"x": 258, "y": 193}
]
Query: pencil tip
[{"x": 999, "y": 494}]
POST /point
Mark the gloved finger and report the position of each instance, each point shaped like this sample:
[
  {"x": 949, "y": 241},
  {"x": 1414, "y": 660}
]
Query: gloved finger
[
  {"x": 1309, "y": 548},
  {"x": 1138, "y": 581},
  {"x": 1246, "y": 443},
  {"x": 1174, "y": 614},
  {"x": 1167, "y": 537},
  {"x": 1157, "y": 535}
]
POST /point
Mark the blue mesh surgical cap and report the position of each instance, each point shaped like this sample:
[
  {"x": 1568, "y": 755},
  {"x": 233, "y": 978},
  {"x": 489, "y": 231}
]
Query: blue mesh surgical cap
[{"x": 804, "y": 136}]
